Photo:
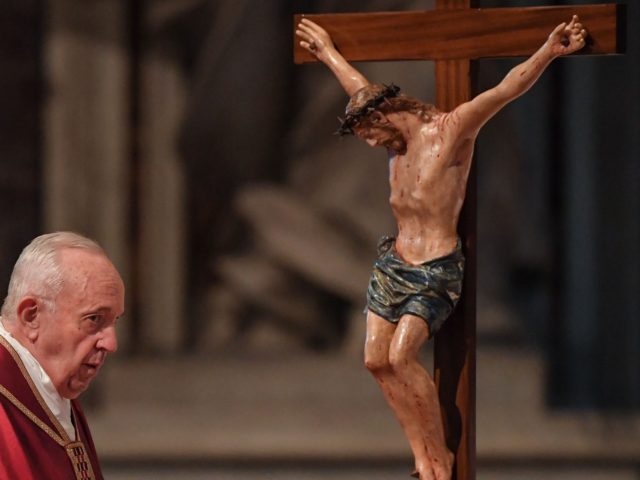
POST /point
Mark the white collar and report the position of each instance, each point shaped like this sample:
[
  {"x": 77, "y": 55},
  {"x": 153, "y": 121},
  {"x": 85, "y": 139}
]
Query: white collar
[{"x": 59, "y": 406}]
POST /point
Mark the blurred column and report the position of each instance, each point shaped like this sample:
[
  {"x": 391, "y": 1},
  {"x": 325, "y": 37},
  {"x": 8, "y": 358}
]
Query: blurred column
[
  {"x": 579, "y": 320},
  {"x": 162, "y": 94},
  {"x": 86, "y": 124}
]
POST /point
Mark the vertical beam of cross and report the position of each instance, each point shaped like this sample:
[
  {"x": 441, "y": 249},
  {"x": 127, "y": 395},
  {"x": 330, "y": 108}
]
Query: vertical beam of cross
[{"x": 455, "y": 344}]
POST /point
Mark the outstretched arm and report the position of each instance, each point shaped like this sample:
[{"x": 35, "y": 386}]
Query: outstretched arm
[
  {"x": 317, "y": 41},
  {"x": 472, "y": 115}
]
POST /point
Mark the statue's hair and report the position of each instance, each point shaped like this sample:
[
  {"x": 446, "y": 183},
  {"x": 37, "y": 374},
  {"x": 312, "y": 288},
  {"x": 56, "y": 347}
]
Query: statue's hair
[
  {"x": 405, "y": 103},
  {"x": 38, "y": 271},
  {"x": 382, "y": 98}
]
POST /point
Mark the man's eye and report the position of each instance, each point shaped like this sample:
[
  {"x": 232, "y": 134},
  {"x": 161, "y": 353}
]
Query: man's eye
[{"x": 94, "y": 318}]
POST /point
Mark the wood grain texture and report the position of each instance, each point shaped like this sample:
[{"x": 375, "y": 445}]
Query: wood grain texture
[
  {"x": 461, "y": 33},
  {"x": 453, "y": 83}
]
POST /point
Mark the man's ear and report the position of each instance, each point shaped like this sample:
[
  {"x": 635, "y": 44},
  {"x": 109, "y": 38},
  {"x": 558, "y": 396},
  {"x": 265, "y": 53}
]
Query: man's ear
[{"x": 29, "y": 316}]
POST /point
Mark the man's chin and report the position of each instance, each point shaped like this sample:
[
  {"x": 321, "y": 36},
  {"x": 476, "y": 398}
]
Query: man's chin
[{"x": 75, "y": 388}]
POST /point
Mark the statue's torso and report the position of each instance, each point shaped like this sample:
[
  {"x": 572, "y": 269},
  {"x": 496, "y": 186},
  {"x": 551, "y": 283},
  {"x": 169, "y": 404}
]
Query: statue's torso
[{"x": 428, "y": 186}]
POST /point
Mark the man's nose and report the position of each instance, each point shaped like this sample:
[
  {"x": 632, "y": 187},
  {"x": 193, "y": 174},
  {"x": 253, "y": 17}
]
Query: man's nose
[{"x": 109, "y": 340}]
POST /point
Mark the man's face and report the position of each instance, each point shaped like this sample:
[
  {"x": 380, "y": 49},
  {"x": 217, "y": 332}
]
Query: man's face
[
  {"x": 73, "y": 342},
  {"x": 377, "y": 131}
]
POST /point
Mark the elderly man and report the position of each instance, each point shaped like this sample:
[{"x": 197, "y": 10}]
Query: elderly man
[
  {"x": 417, "y": 278},
  {"x": 57, "y": 328}
]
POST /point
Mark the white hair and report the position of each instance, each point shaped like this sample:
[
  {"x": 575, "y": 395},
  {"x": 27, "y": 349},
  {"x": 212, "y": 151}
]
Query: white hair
[{"x": 38, "y": 272}]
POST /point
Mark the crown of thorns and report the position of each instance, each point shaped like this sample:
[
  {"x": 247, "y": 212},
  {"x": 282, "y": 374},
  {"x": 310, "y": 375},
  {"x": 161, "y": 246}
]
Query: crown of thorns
[{"x": 362, "y": 103}]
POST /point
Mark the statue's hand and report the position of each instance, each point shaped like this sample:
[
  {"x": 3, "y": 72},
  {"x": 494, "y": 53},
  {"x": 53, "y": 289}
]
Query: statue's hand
[
  {"x": 314, "y": 39},
  {"x": 566, "y": 39}
]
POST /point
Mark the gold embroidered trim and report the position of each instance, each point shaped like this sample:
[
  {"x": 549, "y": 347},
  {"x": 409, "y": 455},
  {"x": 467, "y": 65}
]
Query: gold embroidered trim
[
  {"x": 76, "y": 451},
  {"x": 61, "y": 431},
  {"x": 32, "y": 416},
  {"x": 80, "y": 461}
]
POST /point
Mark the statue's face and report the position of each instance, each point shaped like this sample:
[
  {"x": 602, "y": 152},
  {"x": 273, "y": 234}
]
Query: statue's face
[{"x": 377, "y": 131}]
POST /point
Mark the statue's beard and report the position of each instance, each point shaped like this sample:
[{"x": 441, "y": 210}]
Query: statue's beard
[
  {"x": 387, "y": 136},
  {"x": 394, "y": 141},
  {"x": 397, "y": 144}
]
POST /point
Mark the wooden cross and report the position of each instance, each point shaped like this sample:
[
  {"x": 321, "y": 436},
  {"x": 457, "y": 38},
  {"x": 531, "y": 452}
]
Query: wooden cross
[{"x": 453, "y": 35}]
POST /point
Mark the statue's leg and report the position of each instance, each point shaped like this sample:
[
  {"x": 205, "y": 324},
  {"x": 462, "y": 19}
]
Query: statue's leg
[
  {"x": 380, "y": 335},
  {"x": 376, "y": 348},
  {"x": 422, "y": 404}
]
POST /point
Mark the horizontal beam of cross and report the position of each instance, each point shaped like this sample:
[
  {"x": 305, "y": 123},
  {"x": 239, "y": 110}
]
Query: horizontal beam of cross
[{"x": 458, "y": 34}]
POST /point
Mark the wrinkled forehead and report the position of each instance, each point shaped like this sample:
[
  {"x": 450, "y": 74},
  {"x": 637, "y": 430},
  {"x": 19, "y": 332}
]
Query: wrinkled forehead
[{"x": 82, "y": 267}]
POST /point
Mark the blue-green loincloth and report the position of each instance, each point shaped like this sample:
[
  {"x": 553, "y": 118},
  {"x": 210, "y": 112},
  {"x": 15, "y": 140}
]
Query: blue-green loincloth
[{"x": 429, "y": 290}]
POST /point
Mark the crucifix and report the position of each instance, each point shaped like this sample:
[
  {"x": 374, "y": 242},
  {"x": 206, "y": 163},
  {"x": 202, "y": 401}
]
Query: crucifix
[{"x": 453, "y": 35}]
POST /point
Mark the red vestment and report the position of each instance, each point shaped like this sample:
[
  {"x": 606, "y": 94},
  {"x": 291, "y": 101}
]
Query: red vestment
[{"x": 33, "y": 444}]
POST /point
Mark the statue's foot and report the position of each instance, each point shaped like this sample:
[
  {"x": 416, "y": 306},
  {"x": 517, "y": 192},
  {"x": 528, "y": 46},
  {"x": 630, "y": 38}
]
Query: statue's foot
[
  {"x": 442, "y": 470},
  {"x": 435, "y": 469},
  {"x": 424, "y": 471}
]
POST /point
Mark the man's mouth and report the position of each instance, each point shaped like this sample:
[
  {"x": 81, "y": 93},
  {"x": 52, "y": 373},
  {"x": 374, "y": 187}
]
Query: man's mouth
[{"x": 91, "y": 369}]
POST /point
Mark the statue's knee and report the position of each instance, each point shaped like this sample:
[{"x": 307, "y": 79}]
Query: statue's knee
[
  {"x": 398, "y": 359},
  {"x": 376, "y": 363}
]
